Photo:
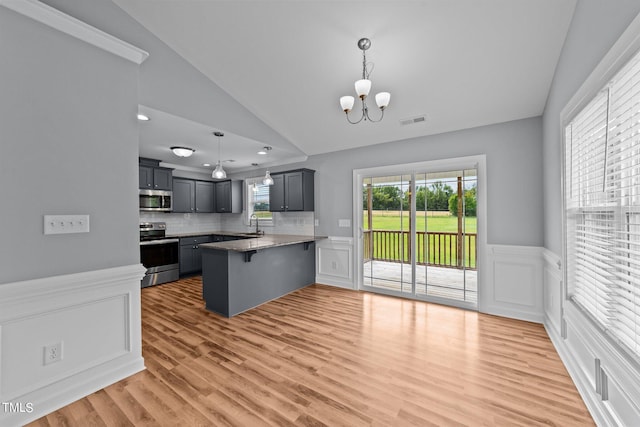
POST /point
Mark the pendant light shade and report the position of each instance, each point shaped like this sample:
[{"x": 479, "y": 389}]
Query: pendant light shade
[
  {"x": 218, "y": 172},
  {"x": 267, "y": 179}
]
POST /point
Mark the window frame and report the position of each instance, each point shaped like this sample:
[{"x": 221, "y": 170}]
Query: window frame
[
  {"x": 248, "y": 200},
  {"x": 626, "y": 50}
]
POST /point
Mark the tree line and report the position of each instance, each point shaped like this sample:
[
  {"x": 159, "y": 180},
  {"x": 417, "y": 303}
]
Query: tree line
[{"x": 436, "y": 197}]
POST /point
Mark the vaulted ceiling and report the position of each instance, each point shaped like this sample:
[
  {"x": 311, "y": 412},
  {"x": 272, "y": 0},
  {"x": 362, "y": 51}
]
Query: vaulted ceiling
[{"x": 460, "y": 63}]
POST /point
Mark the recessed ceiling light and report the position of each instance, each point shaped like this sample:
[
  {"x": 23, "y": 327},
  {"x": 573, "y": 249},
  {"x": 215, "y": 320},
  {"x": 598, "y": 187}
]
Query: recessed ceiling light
[
  {"x": 264, "y": 151},
  {"x": 143, "y": 117},
  {"x": 206, "y": 164}
]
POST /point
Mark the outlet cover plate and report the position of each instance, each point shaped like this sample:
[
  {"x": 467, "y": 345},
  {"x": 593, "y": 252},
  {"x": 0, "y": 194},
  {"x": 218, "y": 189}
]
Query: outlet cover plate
[{"x": 52, "y": 353}]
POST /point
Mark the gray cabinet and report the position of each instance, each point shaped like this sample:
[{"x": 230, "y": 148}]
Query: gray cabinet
[
  {"x": 154, "y": 178},
  {"x": 184, "y": 195},
  {"x": 292, "y": 191},
  {"x": 191, "y": 254},
  {"x": 228, "y": 196},
  {"x": 193, "y": 196},
  {"x": 205, "y": 200}
]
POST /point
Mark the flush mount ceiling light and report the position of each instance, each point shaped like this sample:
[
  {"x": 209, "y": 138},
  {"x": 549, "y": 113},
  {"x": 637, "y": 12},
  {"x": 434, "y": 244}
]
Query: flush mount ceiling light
[
  {"x": 182, "y": 151},
  {"x": 363, "y": 86},
  {"x": 264, "y": 151},
  {"x": 143, "y": 117},
  {"x": 218, "y": 172}
]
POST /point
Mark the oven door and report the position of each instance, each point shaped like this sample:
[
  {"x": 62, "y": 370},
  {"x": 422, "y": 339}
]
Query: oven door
[{"x": 159, "y": 255}]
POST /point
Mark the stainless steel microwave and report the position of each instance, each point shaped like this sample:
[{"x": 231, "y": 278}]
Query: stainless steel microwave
[{"x": 155, "y": 200}]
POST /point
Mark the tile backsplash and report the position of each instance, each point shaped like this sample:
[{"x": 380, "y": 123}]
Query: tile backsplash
[{"x": 299, "y": 223}]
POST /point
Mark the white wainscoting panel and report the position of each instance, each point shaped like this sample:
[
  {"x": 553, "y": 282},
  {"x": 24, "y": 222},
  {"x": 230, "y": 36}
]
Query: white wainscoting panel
[
  {"x": 619, "y": 404},
  {"x": 610, "y": 391},
  {"x": 334, "y": 262},
  {"x": 95, "y": 316},
  {"x": 553, "y": 290},
  {"x": 514, "y": 283}
]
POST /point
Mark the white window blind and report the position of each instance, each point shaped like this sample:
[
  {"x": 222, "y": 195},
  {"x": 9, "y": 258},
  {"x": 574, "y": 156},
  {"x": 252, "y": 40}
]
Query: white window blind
[{"x": 602, "y": 207}]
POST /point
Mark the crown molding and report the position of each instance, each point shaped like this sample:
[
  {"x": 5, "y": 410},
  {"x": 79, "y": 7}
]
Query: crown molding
[{"x": 53, "y": 18}]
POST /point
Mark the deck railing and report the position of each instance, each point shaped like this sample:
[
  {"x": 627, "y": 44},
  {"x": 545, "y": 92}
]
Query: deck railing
[{"x": 433, "y": 248}]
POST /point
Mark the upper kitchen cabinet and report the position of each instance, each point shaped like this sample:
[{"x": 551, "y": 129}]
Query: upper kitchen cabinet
[
  {"x": 205, "y": 196},
  {"x": 229, "y": 196},
  {"x": 153, "y": 177},
  {"x": 184, "y": 195},
  {"x": 292, "y": 191},
  {"x": 193, "y": 196}
]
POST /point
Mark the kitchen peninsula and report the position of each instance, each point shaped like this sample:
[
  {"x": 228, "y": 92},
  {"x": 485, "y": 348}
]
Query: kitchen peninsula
[{"x": 241, "y": 274}]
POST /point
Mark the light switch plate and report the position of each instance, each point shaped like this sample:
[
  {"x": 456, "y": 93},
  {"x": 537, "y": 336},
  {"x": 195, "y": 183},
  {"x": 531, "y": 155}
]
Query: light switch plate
[{"x": 65, "y": 224}]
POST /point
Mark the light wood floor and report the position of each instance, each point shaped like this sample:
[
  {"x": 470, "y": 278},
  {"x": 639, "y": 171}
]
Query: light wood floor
[{"x": 328, "y": 356}]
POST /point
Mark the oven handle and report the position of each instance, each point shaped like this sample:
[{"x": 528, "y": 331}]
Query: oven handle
[{"x": 159, "y": 242}]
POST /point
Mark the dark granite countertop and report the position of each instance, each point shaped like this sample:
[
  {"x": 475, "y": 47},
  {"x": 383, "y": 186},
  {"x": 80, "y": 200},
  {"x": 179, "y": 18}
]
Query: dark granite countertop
[{"x": 263, "y": 242}]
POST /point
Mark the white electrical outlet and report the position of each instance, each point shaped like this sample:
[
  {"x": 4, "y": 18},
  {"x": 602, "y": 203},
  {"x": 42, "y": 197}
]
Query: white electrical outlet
[
  {"x": 65, "y": 224},
  {"x": 53, "y": 353},
  {"x": 344, "y": 223}
]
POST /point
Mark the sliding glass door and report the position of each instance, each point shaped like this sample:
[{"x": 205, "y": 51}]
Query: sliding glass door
[{"x": 419, "y": 235}]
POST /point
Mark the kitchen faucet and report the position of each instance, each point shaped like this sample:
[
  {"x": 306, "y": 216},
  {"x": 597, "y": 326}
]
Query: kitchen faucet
[{"x": 251, "y": 218}]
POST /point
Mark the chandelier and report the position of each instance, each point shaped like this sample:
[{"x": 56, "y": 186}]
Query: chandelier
[{"x": 363, "y": 86}]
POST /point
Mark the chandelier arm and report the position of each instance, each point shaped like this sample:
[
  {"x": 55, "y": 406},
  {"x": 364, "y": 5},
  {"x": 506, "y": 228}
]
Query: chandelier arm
[
  {"x": 376, "y": 121},
  {"x": 354, "y": 123}
]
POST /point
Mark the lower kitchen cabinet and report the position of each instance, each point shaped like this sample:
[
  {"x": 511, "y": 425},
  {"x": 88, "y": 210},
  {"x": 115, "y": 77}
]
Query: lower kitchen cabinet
[{"x": 191, "y": 255}]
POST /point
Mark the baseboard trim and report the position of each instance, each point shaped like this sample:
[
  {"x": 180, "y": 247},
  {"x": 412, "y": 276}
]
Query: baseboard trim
[
  {"x": 590, "y": 398},
  {"x": 62, "y": 393}
]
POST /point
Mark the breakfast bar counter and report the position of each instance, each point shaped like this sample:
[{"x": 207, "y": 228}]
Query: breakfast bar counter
[{"x": 241, "y": 274}]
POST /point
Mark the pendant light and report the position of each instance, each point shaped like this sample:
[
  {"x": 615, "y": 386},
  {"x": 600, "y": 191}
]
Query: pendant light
[
  {"x": 267, "y": 179},
  {"x": 218, "y": 172}
]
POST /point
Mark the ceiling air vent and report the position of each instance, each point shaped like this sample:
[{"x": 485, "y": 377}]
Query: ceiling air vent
[{"x": 413, "y": 120}]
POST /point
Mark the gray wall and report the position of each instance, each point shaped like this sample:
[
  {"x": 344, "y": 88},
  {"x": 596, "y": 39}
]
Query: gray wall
[
  {"x": 595, "y": 27},
  {"x": 514, "y": 175},
  {"x": 167, "y": 82},
  {"x": 69, "y": 146}
]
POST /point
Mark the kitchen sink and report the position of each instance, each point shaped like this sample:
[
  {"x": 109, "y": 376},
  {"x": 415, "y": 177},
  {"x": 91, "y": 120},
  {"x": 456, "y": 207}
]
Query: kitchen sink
[{"x": 260, "y": 234}]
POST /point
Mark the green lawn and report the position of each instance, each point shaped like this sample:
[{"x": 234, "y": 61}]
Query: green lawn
[
  {"x": 434, "y": 223},
  {"x": 432, "y": 249}
]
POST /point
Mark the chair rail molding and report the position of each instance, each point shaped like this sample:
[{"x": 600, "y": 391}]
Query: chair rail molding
[
  {"x": 53, "y": 18},
  {"x": 94, "y": 320}
]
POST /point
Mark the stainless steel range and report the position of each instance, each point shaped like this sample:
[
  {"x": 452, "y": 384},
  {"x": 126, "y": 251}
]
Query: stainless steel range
[{"x": 158, "y": 254}]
